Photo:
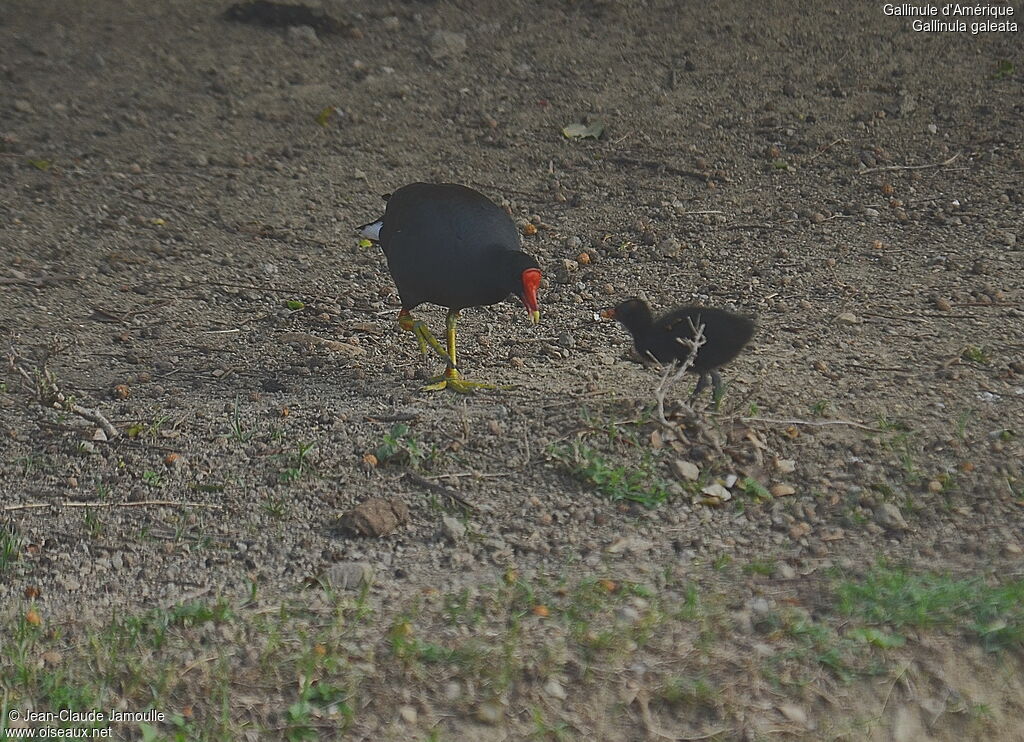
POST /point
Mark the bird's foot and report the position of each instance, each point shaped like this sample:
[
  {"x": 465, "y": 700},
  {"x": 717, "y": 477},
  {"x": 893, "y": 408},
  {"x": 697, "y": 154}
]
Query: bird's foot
[{"x": 453, "y": 380}]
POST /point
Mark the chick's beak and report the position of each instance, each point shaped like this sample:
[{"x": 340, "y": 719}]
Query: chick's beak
[{"x": 535, "y": 316}]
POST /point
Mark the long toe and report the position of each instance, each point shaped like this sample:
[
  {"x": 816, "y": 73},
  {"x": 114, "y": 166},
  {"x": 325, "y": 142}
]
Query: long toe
[{"x": 456, "y": 384}]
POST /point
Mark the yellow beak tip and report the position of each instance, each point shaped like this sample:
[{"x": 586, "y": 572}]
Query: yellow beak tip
[{"x": 535, "y": 316}]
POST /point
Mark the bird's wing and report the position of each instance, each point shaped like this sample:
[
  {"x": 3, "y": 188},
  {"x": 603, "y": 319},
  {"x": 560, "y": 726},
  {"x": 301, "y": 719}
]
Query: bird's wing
[{"x": 681, "y": 324}]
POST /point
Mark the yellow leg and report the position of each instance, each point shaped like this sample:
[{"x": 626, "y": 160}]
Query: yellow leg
[
  {"x": 423, "y": 335},
  {"x": 452, "y": 379}
]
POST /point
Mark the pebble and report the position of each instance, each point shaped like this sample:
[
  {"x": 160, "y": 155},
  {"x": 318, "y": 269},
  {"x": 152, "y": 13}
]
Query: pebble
[
  {"x": 782, "y": 490},
  {"x": 669, "y": 247},
  {"x": 686, "y": 470},
  {"x": 785, "y": 466},
  {"x": 627, "y": 614},
  {"x": 490, "y": 712},
  {"x": 408, "y": 714},
  {"x": 718, "y": 491},
  {"x": 785, "y": 572},
  {"x": 23, "y": 106},
  {"x": 848, "y": 318},
  {"x": 453, "y": 528},
  {"x": 794, "y": 713},
  {"x": 446, "y": 44},
  {"x": 554, "y": 689},
  {"x": 888, "y": 516},
  {"x": 303, "y": 35},
  {"x": 798, "y": 530},
  {"x": 348, "y": 575}
]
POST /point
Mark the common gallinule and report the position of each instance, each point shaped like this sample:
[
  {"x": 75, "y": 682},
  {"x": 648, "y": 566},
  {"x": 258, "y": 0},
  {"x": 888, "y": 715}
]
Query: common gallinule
[
  {"x": 450, "y": 245},
  {"x": 664, "y": 339}
]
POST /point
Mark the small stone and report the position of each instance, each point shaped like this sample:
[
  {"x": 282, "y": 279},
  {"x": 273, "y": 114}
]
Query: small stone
[
  {"x": 888, "y": 516},
  {"x": 347, "y": 575},
  {"x": 445, "y": 44},
  {"x": 631, "y": 544},
  {"x": 554, "y": 689},
  {"x": 785, "y": 572},
  {"x": 933, "y": 129},
  {"x": 785, "y": 466},
  {"x": 782, "y": 490},
  {"x": 1012, "y": 549},
  {"x": 453, "y": 528},
  {"x": 686, "y": 470},
  {"x": 669, "y": 247},
  {"x": 943, "y": 305},
  {"x": 390, "y": 22},
  {"x": 375, "y": 517},
  {"x": 935, "y": 486},
  {"x": 627, "y": 614},
  {"x": 490, "y": 712},
  {"x": 452, "y": 690},
  {"x": 794, "y": 713},
  {"x": 303, "y": 35},
  {"x": 870, "y": 212},
  {"x": 408, "y": 714},
  {"x": 23, "y": 106},
  {"x": 717, "y": 491},
  {"x": 848, "y": 318},
  {"x": 759, "y": 607},
  {"x": 799, "y": 529}
]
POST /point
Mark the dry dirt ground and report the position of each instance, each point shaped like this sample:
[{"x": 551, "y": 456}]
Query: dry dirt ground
[{"x": 177, "y": 212}]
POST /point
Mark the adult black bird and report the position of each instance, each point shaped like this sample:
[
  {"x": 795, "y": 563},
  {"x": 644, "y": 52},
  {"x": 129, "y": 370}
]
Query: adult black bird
[
  {"x": 450, "y": 245},
  {"x": 665, "y": 339}
]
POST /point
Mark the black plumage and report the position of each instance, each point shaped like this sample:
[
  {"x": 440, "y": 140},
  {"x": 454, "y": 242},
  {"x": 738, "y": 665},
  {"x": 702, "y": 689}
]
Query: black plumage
[
  {"x": 664, "y": 339},
  {"x": 449, "y": 245}
]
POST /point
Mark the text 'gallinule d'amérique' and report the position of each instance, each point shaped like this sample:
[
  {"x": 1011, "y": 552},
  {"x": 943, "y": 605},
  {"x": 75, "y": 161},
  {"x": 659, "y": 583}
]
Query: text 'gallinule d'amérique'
[
  {"x": 663, "y": 339},
  {"x": 450, "y": 245}
]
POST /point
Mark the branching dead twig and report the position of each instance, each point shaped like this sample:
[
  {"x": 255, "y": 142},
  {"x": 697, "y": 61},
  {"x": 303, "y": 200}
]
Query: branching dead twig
[
  {"x": 47, "y": 392},
  {"x": 139, "y": 504},
  {"x": 675, "y": 371}
]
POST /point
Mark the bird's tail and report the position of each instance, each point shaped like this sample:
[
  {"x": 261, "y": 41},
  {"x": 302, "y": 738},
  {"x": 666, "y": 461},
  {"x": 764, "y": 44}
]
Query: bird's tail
[{"x": 371, "y": 231}]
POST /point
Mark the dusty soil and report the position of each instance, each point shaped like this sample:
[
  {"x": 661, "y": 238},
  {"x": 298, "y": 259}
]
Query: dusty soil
[{"x": 168, "y": 197}]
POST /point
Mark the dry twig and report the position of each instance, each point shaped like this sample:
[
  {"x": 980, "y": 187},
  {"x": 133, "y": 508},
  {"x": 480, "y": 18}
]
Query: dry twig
[
  {"x": 139, "y": 504},
  {"x": 47, "y": 392},
  {"x": 675, "y": 371}
]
